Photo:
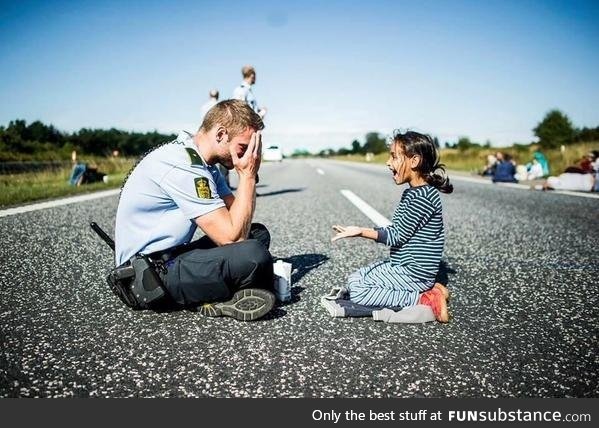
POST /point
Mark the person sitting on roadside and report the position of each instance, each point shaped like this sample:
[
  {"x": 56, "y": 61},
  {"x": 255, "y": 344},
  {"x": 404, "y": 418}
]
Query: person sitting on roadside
[
  {"x": 505, "y": 171},
  {"x": 584, "y": 165},
  {"x": 84, "y": 173},
  {"x": 595, "y": 164},
  {"x": 534, "y": 170},
  {"x": 521, "y": 172},
  {"x": 596, "y": 168},
  {"x": 542, "y": 160},
  {"x": 537, "y": 168},
  {"x": 489, "y": 170},
  {"x": 579, "y": 177}
]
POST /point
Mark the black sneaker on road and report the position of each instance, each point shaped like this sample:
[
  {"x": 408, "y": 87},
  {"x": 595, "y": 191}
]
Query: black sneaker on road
[{"x": 246, "y": 305}]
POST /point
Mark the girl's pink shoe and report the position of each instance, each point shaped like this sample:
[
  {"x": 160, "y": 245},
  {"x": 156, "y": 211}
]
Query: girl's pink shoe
[{"x": 436, "y": 300}]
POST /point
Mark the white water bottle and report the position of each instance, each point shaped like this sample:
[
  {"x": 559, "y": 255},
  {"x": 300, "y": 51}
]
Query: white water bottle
[{"x": 282, "y": 279}]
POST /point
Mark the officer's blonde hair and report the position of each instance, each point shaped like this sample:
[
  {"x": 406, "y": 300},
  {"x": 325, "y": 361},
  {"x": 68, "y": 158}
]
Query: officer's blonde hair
[{"x": 234, "y": 115}]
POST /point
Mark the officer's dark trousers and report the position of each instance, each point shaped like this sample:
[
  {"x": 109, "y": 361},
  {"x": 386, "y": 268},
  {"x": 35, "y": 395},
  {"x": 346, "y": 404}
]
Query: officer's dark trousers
[{"x": 209, "y": 273}]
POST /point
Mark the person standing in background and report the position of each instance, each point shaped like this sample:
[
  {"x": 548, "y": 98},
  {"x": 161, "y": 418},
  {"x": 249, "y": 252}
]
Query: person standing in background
[
  {"x": 210, "y": 103},
  {"x": 244, "y": 91}
]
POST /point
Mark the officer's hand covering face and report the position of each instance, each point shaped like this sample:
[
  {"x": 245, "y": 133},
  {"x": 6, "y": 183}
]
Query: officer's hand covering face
[{"x": 239, "y": 144}]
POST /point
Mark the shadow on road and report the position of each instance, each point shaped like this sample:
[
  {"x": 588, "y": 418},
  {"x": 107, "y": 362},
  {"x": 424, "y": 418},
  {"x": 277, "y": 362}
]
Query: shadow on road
[
  {"x": 276, "y": 312},
  {"x": 257, "y": 186},
  {"x": 444, "y": 271},
  {"x": 279, "y": 192},
  {"x": 302, "y": 264}
]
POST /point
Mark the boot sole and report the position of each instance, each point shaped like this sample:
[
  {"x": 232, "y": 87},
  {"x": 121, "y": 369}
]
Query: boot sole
[{"x": 246, "y": 305}]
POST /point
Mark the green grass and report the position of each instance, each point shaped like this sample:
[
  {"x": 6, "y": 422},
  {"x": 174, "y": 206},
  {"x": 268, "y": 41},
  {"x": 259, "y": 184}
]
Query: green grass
[
  {"x": 20, "y": 188},
  {"x": 473, "y": 160}
]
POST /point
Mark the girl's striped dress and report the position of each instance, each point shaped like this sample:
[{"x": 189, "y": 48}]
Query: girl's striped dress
[{"x": 416, "y": 238}]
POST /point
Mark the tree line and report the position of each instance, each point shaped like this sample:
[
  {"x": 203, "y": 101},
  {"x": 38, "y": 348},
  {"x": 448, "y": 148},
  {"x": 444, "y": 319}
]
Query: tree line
[
  {"x": 36, "y": 140},
  {"x": 553, "y": 131},
  {"x": 374, "y": 143}
]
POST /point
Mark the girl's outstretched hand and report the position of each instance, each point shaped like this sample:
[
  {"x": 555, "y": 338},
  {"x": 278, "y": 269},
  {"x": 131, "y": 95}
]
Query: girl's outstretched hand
[{"x": 346, "y": 232}]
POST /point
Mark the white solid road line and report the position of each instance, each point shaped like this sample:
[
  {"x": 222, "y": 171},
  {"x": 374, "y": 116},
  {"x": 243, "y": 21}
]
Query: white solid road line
[
  {"x": 59, "y": 202},
  {"x": 484, "y": 181},
  {"x": 320, "y": 171},
  {"x": 521, "y": 186},
  {"x": 582, "y": 195},
  {"x": 377, "y": 218}
]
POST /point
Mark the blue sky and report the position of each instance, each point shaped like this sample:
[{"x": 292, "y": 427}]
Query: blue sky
[{"x": 328, "y": 71}]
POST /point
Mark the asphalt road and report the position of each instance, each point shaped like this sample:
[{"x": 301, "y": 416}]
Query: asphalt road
[{"x": 523, "y": 268}]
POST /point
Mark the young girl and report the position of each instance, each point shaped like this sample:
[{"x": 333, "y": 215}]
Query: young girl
[{"x": 416, "y": 236}]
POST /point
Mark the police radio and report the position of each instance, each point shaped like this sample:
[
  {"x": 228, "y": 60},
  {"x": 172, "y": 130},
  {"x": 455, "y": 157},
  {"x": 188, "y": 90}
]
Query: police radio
[{"x": 137, "y": 282}]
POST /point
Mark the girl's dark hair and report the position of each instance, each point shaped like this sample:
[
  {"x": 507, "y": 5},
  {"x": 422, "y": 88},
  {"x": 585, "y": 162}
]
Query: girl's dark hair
[{"x": 422, "y": 145}]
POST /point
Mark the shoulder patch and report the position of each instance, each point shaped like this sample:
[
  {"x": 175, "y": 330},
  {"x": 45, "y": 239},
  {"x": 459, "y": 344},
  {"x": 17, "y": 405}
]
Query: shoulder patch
[
  {"x": 202, "y": 188},
  {"x": 194, "y": 157}
]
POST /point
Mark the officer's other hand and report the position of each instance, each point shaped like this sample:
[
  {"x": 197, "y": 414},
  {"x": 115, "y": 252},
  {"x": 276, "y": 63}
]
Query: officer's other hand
[{"x": 249, "y": 163}]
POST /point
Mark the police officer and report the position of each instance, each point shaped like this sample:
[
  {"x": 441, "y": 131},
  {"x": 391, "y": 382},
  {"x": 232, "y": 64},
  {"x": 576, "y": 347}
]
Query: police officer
[
  {"x": 244, "y": 91},
  {"x": 175, "y": 189}
]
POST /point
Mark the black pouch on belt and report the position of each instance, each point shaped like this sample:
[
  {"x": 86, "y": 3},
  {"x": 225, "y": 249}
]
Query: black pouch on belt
[{"x": 137, "y": 283}]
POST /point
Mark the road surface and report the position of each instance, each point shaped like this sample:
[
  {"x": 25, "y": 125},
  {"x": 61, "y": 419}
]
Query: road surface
[{"x": 522, "y": 267}]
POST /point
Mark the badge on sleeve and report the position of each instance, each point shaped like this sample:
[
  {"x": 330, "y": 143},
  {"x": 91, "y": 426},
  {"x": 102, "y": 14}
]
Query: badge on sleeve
[
  {"x": 194, "y": 157},
  {"x": 203, "y": 188}
]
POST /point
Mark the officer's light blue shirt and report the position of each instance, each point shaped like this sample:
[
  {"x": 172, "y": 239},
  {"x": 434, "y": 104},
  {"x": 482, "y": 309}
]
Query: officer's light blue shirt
[{"x": 164, "y": 194}]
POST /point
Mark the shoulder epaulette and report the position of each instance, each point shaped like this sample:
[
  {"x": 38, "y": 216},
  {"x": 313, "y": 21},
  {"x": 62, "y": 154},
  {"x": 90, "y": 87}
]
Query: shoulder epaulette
[{"x": 194, "y": 157}]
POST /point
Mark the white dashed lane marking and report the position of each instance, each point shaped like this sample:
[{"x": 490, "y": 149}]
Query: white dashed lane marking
[{"x": 376, "y": 217}]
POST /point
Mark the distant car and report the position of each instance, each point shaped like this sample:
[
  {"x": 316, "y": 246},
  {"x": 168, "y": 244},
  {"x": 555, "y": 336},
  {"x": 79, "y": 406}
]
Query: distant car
[{"x": 273, "y": 154}]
